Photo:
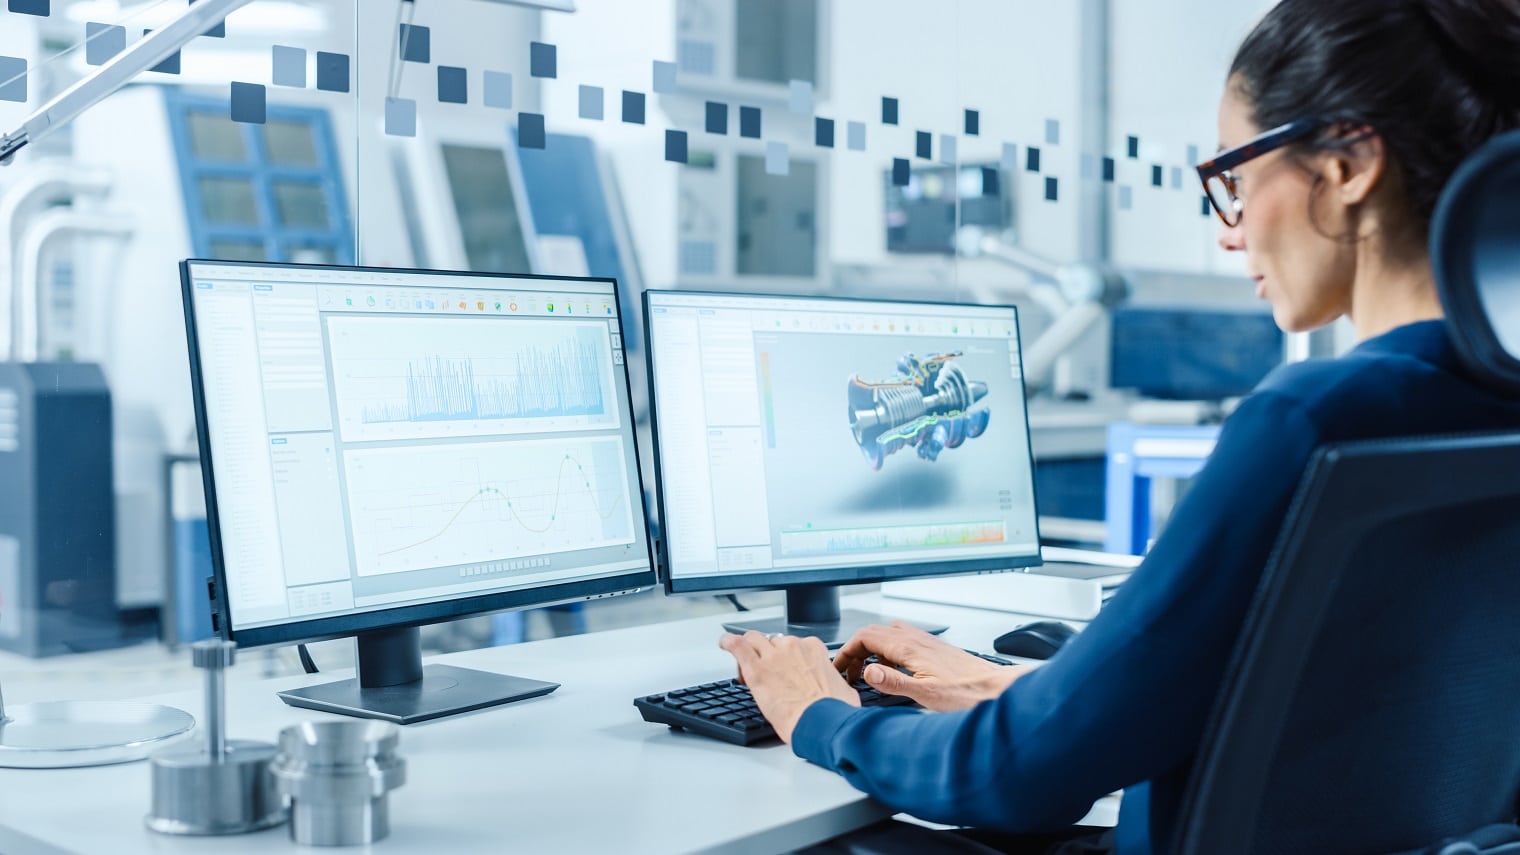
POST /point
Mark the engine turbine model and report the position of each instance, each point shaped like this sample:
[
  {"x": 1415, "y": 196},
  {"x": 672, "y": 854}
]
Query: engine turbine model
[{"x": 928, "y": 406}]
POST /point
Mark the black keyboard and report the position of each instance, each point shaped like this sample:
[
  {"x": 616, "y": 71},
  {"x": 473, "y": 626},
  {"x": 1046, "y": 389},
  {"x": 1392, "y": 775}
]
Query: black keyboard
[{"x": 726, "y": 710}]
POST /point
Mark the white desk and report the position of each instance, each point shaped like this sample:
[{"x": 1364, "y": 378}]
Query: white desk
[{"x": 576, "y": 771}]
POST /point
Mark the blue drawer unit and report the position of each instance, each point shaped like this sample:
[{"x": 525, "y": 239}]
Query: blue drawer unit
[{"x": 261, "y": 192}]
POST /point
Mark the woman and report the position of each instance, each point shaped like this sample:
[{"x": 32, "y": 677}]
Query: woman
[{"x": 1341, "y": 123}]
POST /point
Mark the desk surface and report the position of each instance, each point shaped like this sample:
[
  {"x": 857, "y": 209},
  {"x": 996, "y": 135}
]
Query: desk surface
[{"x": 575, "y": 771}]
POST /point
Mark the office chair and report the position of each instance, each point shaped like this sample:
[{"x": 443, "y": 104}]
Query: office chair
[{"x": 1373, "y": 702}]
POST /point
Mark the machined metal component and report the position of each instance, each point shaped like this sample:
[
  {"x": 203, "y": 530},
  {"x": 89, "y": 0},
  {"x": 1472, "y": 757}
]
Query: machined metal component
[
  {"x": 928, "y": 406},
  {"x": 338, "y": 776},
  {"x": 215, "y": 786}
]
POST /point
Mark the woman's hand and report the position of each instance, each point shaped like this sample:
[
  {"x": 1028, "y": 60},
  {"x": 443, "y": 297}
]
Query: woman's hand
[
  {"x": 943, "y": 676},
  {"x": 786, "y": 675}
]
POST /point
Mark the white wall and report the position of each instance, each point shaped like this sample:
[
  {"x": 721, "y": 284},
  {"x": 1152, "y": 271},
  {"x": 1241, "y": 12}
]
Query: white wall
[{"x": 1169, "y": 61}]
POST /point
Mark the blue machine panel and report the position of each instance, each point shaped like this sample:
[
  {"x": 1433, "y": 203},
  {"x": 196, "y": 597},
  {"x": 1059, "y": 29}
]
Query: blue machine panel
[
  {"x": 1185, "y": 354},
  {"x": 261, "y": 192},
  {"x": 564, "y": 189}
]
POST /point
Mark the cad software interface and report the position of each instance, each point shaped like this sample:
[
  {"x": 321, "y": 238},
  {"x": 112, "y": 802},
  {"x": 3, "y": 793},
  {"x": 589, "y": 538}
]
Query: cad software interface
[
  {"x": 388, "y": 438},
  {"x": 799, "y": 434}
]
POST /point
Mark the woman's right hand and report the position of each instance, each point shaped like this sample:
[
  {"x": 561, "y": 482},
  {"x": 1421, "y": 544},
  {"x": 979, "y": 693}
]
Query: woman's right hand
[{"x": 943, "y": 676}]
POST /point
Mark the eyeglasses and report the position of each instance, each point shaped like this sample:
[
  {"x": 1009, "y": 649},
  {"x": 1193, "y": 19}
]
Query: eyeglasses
[{"x": 1220, "y": 184}]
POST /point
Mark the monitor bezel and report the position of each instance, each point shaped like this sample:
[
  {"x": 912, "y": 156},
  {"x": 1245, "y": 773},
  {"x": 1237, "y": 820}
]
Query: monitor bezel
[
  {"x": 339, "y": 626},
  {"x": 783, "y": 579}
]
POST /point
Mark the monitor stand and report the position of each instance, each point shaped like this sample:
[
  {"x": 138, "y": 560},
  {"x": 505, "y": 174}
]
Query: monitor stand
[
  {"x": 393, "y": 685},
  {"x": 813, "y": 611}
]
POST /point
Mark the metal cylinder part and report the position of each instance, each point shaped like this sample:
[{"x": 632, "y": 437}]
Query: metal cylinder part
[
  {"x": 217, "y": 786},
  {"x": 338, "y": 776},
  {"x": 193, "y": 795}
]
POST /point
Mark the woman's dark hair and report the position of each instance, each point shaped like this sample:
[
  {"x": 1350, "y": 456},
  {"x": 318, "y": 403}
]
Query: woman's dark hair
[{"x": 1435, "y": 78}]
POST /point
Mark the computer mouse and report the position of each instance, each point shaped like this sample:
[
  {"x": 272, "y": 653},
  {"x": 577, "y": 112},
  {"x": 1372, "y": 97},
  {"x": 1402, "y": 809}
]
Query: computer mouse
[{"x": 1038, "y": 640}]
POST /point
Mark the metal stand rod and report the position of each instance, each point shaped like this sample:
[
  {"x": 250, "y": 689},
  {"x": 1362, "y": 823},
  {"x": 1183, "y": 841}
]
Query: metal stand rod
[{"x": 216, "y": 708}]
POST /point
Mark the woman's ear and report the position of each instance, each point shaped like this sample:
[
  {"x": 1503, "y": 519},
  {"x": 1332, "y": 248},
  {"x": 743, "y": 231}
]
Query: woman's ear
[{"x": 1352, "y": 172}]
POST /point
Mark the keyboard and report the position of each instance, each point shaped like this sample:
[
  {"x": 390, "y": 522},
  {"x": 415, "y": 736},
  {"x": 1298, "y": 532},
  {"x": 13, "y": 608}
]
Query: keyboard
[{"x": 726, "y": 710}]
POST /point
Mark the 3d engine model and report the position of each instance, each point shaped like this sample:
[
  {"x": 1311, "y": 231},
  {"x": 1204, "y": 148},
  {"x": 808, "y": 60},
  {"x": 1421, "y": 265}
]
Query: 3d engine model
[{"x": 928, "y": 405}]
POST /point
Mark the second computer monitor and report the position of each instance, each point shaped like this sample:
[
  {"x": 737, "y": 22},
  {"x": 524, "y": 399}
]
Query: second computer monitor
[{"x": 806, "y": 443}]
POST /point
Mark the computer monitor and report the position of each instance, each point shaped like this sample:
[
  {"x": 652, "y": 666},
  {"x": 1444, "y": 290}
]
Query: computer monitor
[
  {"x": 805, "y": 443},
  {"x": 1190, "y": 354},
  {"x": 389, "y": 448}
]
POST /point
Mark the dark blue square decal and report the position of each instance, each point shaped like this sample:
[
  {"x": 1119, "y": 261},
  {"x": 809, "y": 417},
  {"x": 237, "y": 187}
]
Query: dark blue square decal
[
  {"x": 900, "y": 172},
  {"x": 530, "y": 130},
  {"x": 415, "y": 43},
  {"x": 1031, "y": 159},
  {"x": 332, "y": 72},
  {"x": 717, "y": 117},
  {"x": 889, "y": 111},
  {"x": 924, "y": 145},
  {"x": 973, "y": 123},
  {"x": 30, "y": 7},
  {"x": 248, "y": 103},
  {"x": 1108, "y": 169},
  {"x": 1156, "y": 176},
  {"x": 453, "y": 85},
  {"x": 991, "y": 184},
  {"x": 1050, "y": 189},
  {"x": 169, "y": 65},
  {"x": 675, "y": 146},
  {"x": 749, "y": 122},
  {"x": 823, "y": 133},
  {"x": 543, "y": 60},
  {"x": 633, "y": 107},
  {"x": 1134, "y": 148},
  {"x": 1207, "y": 207},
  {"x": 219, "y": 31}
]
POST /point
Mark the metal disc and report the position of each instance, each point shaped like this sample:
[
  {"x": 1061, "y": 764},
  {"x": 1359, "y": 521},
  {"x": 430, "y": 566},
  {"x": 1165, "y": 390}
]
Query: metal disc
[{"x": 61, "y": 734}]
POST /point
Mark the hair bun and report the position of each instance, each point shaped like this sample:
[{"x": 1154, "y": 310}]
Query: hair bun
[{"x": 1481, "y": 41}]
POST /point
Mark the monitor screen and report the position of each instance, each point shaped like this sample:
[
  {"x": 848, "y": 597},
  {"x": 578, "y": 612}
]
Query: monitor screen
[
  {"x": 823, "y": 441},
  {"x": 404, "y": 446},
  {"x": 1188, "y": 354}
]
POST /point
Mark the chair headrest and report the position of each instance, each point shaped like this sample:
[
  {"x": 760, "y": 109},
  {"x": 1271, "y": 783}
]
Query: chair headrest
[{"x": 1475, "y": 251}]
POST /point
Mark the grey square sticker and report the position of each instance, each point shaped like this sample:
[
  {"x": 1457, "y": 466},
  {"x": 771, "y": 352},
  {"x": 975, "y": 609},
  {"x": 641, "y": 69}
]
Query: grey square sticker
[
  {"x": 1126, "y": 197},
  {"x": 591, "y": 102},
  {"x": 289, "y": 66},
  {"x": 498, "y": 90},
  {"x": 855, "y": 136},
  {"x": 1010, "y": 157},
  {"x": 103, "y": 42},
  {"x": 401, "y": 117},
  {"x": 1052, "y": 132},
  {"x": 12, "y": 79},
  {"x": 947, "y": 149},
  {"x": 800, "y": 97},
  {"x": 664, "y": 77},
  {"x": 776, "y": 160}
]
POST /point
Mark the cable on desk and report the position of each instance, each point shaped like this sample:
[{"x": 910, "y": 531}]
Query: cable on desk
[
  {"x": 738, "y": 606},
  {"x": 307, "y": 663}
]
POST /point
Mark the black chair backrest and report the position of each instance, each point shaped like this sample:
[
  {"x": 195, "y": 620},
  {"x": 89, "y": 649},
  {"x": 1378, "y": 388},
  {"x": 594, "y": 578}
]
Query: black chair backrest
[{"x": 1374, "y": 702}]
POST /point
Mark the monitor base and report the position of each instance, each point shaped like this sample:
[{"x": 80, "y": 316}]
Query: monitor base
[
  {"x": 443, "y": 690},
  {"x": 833, "y": 633}
]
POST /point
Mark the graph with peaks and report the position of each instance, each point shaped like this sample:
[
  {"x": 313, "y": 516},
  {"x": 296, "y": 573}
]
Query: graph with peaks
[
  {"x": 444, "y": 505},
  {"x": 419, "y": 378}
]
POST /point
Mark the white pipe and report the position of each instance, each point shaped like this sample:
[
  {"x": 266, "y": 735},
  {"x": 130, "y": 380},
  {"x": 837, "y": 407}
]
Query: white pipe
[
  {"x": 45, "y": 180},
  {"x": 1062, "y": 333},
  {"x": 44, "y": 231}
]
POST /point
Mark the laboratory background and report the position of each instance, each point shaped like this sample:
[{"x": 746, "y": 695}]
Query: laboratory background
[{"x": 979, "y": 153}]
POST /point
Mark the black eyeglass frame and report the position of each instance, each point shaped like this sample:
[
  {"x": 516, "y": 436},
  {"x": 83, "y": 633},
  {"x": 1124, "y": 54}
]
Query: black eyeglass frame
[{"x": 1221, "y": 165}]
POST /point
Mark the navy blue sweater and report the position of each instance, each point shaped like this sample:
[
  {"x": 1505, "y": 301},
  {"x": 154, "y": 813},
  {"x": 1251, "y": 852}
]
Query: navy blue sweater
[{"x": 1124, "y": 704}]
